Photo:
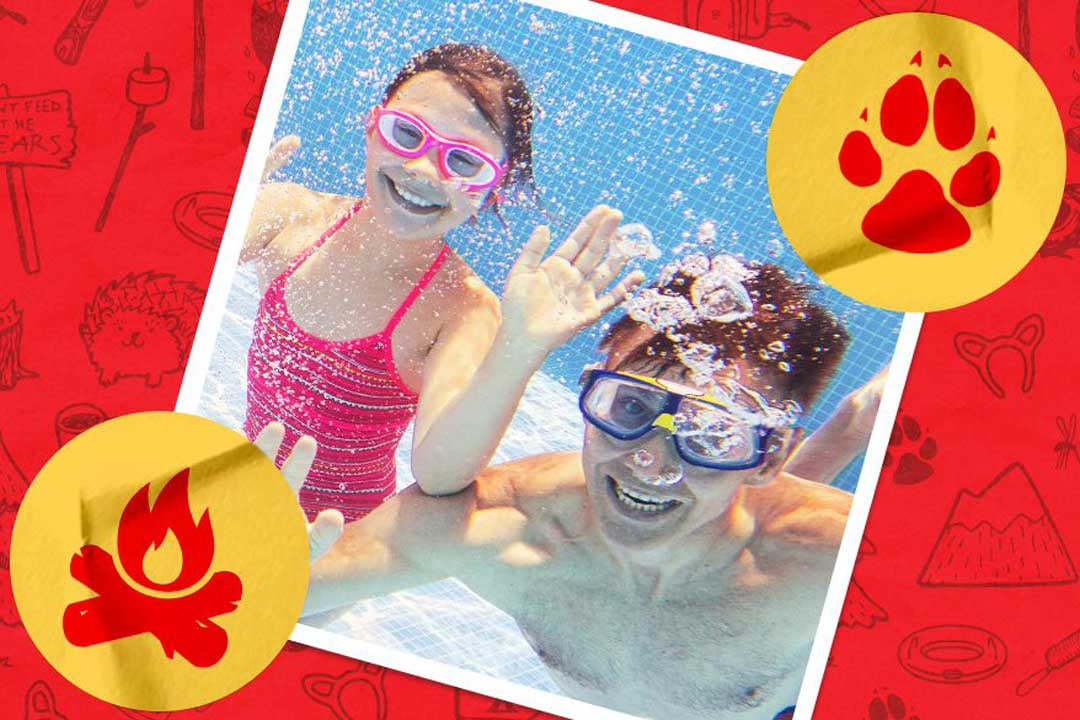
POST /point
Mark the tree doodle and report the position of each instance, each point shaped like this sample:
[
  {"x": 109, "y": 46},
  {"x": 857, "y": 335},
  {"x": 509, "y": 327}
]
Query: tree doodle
[
  {"x": 11, "y": 369},
  {"x": 859, "y": 609}
]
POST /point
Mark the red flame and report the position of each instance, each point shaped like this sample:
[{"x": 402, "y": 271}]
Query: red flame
[
  {"x": 181, "y": 624},
  {"x": 142, "y": 528}
]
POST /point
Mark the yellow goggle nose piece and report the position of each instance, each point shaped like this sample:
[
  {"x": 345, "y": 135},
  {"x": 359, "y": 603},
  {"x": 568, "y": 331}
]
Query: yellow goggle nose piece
[{"x": 665, "y": 421}]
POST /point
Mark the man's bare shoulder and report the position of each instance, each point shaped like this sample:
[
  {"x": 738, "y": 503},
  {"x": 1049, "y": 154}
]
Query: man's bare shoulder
[
  {"x": 549, "y": 483},
  {"x": 791, "y": 513}
]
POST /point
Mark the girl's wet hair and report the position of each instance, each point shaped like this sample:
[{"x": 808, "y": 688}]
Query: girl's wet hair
[{"x": 497, "y": 90}]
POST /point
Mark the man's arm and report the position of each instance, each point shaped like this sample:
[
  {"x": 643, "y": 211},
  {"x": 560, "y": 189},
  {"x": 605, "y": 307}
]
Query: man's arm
[{"x": 800, "y": 525}]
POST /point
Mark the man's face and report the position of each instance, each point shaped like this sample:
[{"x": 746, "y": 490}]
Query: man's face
[{"x": 647, "y": 497}]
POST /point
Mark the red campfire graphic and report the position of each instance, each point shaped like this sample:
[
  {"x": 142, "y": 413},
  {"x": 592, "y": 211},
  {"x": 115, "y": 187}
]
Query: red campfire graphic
[{"x": 181, "y": 623}]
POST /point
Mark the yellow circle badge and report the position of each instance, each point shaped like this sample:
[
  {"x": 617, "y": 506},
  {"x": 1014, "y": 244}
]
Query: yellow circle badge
[
  {"x": 916, "y": 162},
  {"x": 159, "y": 561}
]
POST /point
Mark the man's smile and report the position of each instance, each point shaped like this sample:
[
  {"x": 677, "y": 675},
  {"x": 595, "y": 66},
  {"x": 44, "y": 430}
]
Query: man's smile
[{"x": 638, "y": 503}]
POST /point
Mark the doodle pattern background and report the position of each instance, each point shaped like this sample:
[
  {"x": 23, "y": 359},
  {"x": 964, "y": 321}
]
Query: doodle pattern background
[{"x": 942, "y": 391}]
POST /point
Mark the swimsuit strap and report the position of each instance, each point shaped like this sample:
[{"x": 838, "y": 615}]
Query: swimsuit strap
[
  {"x": 415, "y": 292},
  {"x": 302, "y": 257}
]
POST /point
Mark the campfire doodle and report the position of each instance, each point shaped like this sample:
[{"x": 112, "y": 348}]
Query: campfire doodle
[
  {"x": 1001, "y": 537},
  {"x": 76, "y": 419},
  {"x": 147, "y": 86},
  {"x": 141, "y": 326},
  {"x": 1066, "y": 447},
  {"x": 11, "y": 369},
  {"x": 182, "y": 623},
  {"x": 737, "y": 19},
  {"x": 977, "y": 351},
  {"x": 357, "y": 694},
  {"x": 1057, "y": 656},
  {"x": 41, "y": 703}
]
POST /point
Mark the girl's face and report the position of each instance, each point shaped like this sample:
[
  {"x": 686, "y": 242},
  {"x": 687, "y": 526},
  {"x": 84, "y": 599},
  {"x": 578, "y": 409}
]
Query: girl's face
[{"x": 409, "y": 196}]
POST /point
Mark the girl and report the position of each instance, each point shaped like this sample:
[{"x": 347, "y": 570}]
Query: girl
[{"x": 368, "y": 320}]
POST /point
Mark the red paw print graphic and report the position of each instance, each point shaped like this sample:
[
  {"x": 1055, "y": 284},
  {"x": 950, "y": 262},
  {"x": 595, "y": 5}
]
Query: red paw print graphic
[
  {"x": 915, "y": 449},
  {"x": 915, "y": 215},
  {"x": 358, "y": 694}
]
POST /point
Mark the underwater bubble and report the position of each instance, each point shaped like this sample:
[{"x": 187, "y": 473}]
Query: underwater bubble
[
  {"x": 643, "y": 458},
  {"x": 658, "y": 311},
  {"x": 777, "y": 346},
  {"x": 774, "y": 248},
  {"x": 783, "y": 366},
  {"x": 706, "y": 233},
  {"x": 720, "y": 297},
  {"x": 636, "y": 240}
]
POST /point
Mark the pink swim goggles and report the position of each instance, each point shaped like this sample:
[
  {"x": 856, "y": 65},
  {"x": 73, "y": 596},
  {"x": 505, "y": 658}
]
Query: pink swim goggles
[{"x": 409, "y": 136}]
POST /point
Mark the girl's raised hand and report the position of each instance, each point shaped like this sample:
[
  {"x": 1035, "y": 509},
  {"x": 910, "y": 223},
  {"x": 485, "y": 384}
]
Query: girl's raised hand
[
  {"x": 548, "y": 301},
  {"x": 329, "y": 524}
]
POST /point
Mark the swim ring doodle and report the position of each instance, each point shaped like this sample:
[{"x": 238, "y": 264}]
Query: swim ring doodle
[
  {"x": 200, "y": 217},
  {"x": 952, "y": 654}
]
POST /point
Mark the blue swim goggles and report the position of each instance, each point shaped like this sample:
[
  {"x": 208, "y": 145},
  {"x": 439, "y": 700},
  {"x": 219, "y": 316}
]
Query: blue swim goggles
[{"x": 706, "y": 431}]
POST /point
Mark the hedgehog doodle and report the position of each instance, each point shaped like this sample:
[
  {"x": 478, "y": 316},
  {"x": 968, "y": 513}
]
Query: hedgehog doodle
[{"x": 141, "y": 326}]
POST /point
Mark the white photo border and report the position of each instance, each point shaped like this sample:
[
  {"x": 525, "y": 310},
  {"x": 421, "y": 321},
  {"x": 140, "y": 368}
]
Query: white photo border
[{"x": 221, "y": 283}]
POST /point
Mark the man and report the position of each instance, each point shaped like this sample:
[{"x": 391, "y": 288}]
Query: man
[{"x": 671, "y": 569}]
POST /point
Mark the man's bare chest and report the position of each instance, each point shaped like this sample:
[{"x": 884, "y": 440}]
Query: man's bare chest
[{"x": 716, "y": 652}]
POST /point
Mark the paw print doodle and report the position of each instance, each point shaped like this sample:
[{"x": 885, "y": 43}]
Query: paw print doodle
[
  {"x": 1024, "y": 340},
  {"x": 916, "y": 450},
  {"x": 357, "y": 694},
  {"x": 41, "y": 703},
  {"x": 892, "y": 707},
  {"x": 915, "y": 216}
]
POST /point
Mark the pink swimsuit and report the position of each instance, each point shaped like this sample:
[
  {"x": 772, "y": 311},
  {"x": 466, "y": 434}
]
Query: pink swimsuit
[{"x": 347, "y": 394}]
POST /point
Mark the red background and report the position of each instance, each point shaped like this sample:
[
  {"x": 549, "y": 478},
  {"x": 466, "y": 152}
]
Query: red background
[{"x": 977, "y": 434}]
